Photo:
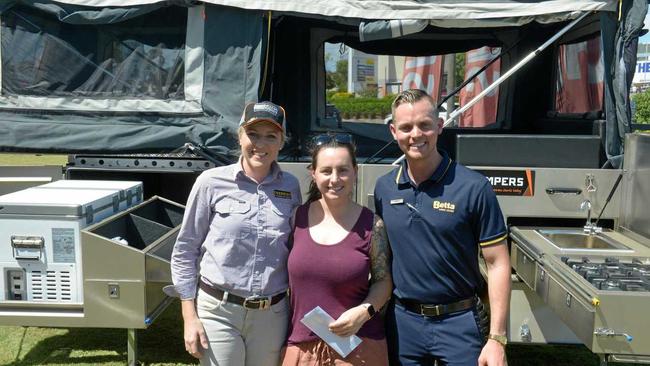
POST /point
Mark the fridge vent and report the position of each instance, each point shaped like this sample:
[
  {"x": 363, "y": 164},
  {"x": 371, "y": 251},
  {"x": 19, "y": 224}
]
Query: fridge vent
[{"x": 50, "y": 286}]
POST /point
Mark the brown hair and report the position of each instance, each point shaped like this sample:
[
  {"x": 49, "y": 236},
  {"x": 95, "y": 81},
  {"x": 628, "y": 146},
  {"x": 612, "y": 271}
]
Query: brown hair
[
  {"x": 314, "y": 194},
  {"x": 411, "y": 96}
]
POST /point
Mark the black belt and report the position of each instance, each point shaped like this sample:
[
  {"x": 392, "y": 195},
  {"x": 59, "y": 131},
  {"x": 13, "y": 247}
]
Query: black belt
[
  {"x": 252, "y": 302},
  {"x": 436, "y": 310}
]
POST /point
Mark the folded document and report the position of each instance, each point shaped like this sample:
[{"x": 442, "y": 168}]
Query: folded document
[{"x": 318, "y": 322}]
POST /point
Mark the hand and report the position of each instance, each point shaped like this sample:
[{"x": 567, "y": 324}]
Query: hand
[
  {"x": 195, "y": 339},
  {"x": 350, "y": 321},
  {"x": 493, "y": 354}
]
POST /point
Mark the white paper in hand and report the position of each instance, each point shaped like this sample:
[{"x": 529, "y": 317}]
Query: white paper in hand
[{"x": 318, "y": 322}]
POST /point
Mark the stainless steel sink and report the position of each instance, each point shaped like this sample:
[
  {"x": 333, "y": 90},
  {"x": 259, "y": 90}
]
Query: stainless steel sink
[{"x": 576, "y": 239}]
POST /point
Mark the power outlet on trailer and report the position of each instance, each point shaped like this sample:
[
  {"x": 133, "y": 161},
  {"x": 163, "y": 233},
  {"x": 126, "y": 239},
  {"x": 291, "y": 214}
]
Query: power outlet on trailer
[{"x": 15, "y": 284}]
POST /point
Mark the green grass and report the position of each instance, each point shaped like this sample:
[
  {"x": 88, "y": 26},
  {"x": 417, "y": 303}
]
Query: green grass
[
  {"x": 32, "y": 159},
  {"x": 162, "y": 344}
]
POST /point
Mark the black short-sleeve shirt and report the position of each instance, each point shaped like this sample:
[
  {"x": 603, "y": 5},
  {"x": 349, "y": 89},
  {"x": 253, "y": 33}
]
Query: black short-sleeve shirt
[{"x": 435, "y": 230}]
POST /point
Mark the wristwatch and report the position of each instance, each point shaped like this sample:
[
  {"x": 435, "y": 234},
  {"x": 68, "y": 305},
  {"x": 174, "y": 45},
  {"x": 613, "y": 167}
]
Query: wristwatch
[
  {"x": 371, "y": 310},
  {"x": 499, "y": 338}
]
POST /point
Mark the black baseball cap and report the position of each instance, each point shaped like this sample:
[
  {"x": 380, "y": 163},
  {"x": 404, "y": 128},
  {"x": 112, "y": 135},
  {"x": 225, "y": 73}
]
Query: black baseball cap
[{"x": 263, "y": 111}]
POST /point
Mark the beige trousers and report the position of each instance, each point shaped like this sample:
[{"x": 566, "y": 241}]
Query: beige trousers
[{"x": 239, "y": 336}]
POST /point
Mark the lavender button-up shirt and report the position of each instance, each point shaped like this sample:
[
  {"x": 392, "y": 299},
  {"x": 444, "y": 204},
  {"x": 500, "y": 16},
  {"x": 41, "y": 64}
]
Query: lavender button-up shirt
[{"x": 238, "y": 231}]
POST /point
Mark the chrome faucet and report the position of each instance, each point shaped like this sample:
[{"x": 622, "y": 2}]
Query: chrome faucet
[{"x": 589, "y": 228}]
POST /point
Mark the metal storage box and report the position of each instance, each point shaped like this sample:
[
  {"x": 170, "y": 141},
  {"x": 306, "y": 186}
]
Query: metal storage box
[
  {"x": 124, "y": 280},
  {"x": 64, "y": 267}
]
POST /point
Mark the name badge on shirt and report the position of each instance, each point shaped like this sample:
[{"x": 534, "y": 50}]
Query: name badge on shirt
[
  {"x": 397, "y": 201},
  {"x": 282, "y": 194}
]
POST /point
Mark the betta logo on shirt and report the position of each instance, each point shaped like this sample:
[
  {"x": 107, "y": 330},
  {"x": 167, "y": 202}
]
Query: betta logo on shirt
[
  {"x": 282, "y": 194},
  {"x": 444, "y": 206}
]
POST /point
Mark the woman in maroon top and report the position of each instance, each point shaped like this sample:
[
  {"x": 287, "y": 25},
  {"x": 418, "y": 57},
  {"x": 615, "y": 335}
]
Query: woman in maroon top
[{"x": 339, "y": 261}]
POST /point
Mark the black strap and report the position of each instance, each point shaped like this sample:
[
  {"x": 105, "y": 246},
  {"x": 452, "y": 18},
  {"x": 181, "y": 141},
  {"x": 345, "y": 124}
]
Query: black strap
[
  {"x": 436, "y": 309},
  {"x": 253, "y": 302}
]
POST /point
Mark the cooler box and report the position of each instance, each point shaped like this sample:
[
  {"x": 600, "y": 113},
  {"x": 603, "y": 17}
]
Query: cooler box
[
  {"x": 40, "y": 251},
  {"x": 129, "y": 193}
]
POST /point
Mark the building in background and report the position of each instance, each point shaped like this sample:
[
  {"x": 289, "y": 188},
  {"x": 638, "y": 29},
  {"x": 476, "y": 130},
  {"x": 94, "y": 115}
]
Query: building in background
[
  {"x": 362, "y": 72},
  {"x": 390, "y": 71},
  {"x": 641, "y": 81}
]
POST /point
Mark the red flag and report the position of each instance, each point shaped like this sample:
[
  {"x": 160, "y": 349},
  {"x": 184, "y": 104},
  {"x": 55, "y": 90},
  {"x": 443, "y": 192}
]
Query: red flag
[
  {"x": 484, "y": 112},
  {"x": 580, "y": 77},
  {"x": 424, "y": 73}
]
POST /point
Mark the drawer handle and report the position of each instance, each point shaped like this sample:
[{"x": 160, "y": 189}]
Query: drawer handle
[
  {"x": 609, "y": 332},
  {"x": 27, "y": 242},
  {"x": 574, "y": 191}
]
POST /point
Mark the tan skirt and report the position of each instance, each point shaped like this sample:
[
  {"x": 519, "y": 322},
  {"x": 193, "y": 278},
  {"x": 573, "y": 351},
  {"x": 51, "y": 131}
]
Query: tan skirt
[{"x": 371, "y": 352}]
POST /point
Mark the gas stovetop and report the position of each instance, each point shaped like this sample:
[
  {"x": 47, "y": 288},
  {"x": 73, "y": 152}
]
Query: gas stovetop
[{"x": 612, "y": 274}]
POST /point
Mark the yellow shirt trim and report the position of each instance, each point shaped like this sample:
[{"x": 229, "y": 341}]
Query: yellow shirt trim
[{"x": 493, "y": 241}]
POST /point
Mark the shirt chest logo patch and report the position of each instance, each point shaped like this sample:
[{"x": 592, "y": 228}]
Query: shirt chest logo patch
[
  {"x": 444, "y": 206},
  {"x": 282, "y": 194}
]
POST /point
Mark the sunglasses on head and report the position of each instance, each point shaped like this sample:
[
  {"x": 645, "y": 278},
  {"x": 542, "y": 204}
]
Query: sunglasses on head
[{"x": 341, "y": 138}]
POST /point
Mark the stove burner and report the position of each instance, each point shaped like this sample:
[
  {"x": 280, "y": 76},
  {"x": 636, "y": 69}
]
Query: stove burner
[
  {"x": 617, "y": 275},
  {"x": 645, "y": 270},
  {"x": 635, "y": 285},
  {"x": 610, "y": 285},
  {"x": 611, "y": 274}
]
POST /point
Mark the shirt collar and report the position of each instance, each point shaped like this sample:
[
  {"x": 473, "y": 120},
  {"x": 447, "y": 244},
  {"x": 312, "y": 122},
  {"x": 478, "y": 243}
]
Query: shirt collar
[
  {"x": 275, "y": 173},
  {"x": 402, "y": 176}
]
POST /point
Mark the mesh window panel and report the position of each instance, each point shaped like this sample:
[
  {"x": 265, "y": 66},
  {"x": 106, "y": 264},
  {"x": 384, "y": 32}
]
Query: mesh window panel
[{"x": 141, "y": 57}]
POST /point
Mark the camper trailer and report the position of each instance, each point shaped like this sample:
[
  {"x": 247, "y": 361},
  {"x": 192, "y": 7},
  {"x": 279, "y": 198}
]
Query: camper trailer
[{"x": 536, "y": 97}]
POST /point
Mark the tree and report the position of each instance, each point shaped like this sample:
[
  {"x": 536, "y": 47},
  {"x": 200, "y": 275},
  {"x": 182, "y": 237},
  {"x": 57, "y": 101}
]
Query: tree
[
  {"x": 642, "y": 101},
  {"x": 339, "y": 78},
  {"x": 459, "y": 68}
]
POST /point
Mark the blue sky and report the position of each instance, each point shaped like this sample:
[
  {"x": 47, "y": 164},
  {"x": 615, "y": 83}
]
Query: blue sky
[{"x": 333, "y": 49}]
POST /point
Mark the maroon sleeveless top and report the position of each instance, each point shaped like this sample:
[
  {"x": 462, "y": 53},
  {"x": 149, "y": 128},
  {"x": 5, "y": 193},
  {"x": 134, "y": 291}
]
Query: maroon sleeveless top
[{"x": 334, "y": 277}]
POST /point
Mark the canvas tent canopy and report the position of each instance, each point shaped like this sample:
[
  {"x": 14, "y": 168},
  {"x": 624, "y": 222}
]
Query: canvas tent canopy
[
  {"x": 136, "y": 75},
  {"x": 456, "y": 12}
]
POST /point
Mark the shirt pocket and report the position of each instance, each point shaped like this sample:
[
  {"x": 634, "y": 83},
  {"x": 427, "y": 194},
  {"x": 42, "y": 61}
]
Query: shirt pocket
[
  {"x": 232, "y": 217},
  {"x": 280, "y": 216}
]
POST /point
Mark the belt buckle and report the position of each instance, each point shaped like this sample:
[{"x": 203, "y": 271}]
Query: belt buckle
[
  {"x": 263, "y": 303},
  {"x": 425, "y": 308}
]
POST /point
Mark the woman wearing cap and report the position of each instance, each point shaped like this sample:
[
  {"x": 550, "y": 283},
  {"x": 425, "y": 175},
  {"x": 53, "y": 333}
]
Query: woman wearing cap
[
  {"x": 337, "y": 245},
  {"x": 229, "y": 261}
]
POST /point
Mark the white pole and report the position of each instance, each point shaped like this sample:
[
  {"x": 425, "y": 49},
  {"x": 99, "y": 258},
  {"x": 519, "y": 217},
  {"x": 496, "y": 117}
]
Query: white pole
[{"x": 505, "y": 76}]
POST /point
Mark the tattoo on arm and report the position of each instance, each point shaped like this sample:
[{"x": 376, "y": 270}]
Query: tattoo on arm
[{"x": 379, "y": 252}]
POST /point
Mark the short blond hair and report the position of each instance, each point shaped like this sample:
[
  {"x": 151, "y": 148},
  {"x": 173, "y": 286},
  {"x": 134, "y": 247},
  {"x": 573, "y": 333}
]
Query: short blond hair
[{"x": 412, "y": 96}]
